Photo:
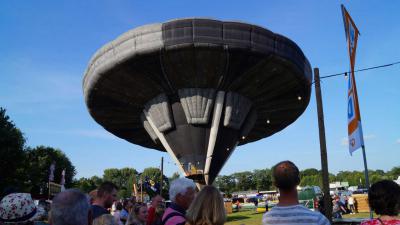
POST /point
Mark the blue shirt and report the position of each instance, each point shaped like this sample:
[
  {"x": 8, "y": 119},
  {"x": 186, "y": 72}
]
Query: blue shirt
[{"x": 98, "y": 211}]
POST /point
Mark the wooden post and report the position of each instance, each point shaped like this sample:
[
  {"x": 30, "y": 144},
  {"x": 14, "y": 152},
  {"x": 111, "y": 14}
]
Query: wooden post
[
  {"x": 322, "y": 144},
  {"x": 371, "y": 215},
  {"x": 141, "y": 191},
  {"x": 48, "y": 186},
  {"x": 162, "y": 172}
]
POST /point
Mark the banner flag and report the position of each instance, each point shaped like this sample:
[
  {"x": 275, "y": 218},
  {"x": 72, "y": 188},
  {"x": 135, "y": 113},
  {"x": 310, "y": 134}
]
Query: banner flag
[
  {"x": 355, "y": 133},
  {"x": 62, "y": 182},
  {"x": 51, "y": 171}
]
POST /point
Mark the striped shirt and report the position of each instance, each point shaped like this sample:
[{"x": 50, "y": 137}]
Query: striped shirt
[{"x": 295, "y": 214}]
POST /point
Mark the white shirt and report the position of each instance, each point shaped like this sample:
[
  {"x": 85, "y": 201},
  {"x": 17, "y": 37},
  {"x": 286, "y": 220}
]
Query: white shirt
[
  {"x": 351, "y": 201},
  {"x": 295, "y": 214}
]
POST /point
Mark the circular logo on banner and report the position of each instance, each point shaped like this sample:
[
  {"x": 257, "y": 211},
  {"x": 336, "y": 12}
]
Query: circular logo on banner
[{"x": 352, "y": 142}]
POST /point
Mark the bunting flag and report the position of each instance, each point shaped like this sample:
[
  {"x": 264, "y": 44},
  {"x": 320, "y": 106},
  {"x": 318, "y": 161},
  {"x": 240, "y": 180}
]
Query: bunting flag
[
  {"x": 51, "y": 172},
  {"x": 62, "y": 182},
  {"x": 355, "y": 133}
]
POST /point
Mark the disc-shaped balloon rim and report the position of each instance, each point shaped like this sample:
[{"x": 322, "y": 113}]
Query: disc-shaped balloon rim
[{"x": 153, "y": 39}]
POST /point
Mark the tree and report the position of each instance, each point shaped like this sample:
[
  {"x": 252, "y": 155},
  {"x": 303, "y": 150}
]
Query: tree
[
  {"x": 309, "y": 172},
  {"x": 123, "y": 178},
  {"x": 12, "y": 153},
  {"x": 87, "y": 184},
  {"x": 311, "y": 180},
  {"x": 38, "y": 163},
  {"x": 244, "y": 181},
  {"x": 263, "y": 179},
  {"x": 394, "y": 173},
  {"x": 225, "y": 183}
]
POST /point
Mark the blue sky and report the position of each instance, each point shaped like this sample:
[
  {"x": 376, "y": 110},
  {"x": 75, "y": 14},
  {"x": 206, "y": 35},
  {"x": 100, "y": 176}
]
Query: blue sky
[{"x": 45, "y": 47}]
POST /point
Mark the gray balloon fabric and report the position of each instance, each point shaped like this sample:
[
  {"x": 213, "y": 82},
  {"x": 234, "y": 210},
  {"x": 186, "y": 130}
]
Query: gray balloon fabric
[{"x": 156, "y": 86}]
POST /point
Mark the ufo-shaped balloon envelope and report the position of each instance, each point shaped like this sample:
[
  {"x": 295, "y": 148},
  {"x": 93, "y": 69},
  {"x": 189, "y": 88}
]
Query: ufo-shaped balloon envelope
[{"x": 197, "y": 88}]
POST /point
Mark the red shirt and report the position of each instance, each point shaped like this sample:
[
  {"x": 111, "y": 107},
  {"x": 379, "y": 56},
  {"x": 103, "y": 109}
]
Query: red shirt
[
  {"x": 377, "y": 222},
  {"x": 151, "y": 215}
]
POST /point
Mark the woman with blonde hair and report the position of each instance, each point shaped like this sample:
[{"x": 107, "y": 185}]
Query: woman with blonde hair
[
  {"x": 207, "y": 208},
  {"x": 138, "y": 215},
  {"x": 105, "y": 219}
]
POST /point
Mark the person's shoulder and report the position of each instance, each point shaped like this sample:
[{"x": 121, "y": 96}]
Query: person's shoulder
[
  {"x": 294, "y": 212},
  {"x": 98, "y": 211},
  {"x": 376, "y": 222},
  {"x": 288, "y": 215},
  {"x": 173, "y": 217},
  {"x": 320, "y": 217},
  {"x": 370, "y": 222}
]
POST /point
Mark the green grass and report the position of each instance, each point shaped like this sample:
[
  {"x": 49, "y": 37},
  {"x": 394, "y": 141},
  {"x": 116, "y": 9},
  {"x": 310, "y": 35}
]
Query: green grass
[
  {"x": 244, "y": 217},
  {"x": 253, "y": 218},
  {"x": 359, "y": 215}
]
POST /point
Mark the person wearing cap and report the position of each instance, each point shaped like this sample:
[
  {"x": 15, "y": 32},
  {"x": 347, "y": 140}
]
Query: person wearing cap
[{"x": 19, "y": 208}]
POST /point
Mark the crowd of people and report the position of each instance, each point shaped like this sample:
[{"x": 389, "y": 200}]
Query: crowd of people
[{"x": 187, "y": 207}]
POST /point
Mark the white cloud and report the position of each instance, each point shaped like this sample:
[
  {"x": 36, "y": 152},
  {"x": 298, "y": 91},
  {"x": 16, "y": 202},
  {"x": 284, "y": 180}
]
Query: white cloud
[{"x": 398, "y": 141}]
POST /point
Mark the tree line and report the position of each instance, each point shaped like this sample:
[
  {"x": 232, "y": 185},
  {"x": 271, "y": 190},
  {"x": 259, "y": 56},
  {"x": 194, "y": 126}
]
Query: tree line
[
  {"x": 261, "y": 179},
  {"x": 27, "y": 169},
  {"x": 125, "y": 178}
]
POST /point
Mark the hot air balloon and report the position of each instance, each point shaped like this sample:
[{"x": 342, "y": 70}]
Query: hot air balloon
[{"x": 197, "y": 88}]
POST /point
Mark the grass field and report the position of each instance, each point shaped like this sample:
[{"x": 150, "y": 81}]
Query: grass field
[
  {"x": 253, "y": 218},
  {"x": 358, "y": 215},
  {"x": 244, "y": 217}
]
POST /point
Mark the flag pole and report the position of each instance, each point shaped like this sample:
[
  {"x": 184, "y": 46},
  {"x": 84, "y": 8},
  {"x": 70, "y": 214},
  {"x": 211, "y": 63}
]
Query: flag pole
[
  {"x": 356, "y": 139},
  {"x": 366, "y": 176},
  {"x": 162, "y": 175}
]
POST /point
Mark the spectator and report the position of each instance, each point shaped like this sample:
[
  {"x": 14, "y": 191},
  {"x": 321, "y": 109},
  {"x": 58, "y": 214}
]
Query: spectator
[
  {"x": 237, "y": 203},
  {"x": 70, "y": 207},
  {"x": 18, "y": 209},
  {"x": 255, "y": 203},
  {"x": 351, "y": 204},
  {"x": 156, "y": 202},
  {"x": 117, "y": 212},
  {"x": 207, "y": 208},
  {"x": 159, "y": 214},
  {"x": 288, "y": 211},
  {"x": 181, "y": 193},
  {"x": 138, "y": 216},
  {"x": 337, "y": 208},
  {"x": 105, "y": 219},
  {"x": 106, "y": 195},
  {"x": 92, "y": 195},
  {"x": 126, "y": 208},
  {"x": 384, "y": 199}
]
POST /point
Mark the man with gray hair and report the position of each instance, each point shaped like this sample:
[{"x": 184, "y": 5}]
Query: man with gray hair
[
  {"x": 181, "y": 194},
  {"x": 70, "y": 207}
]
